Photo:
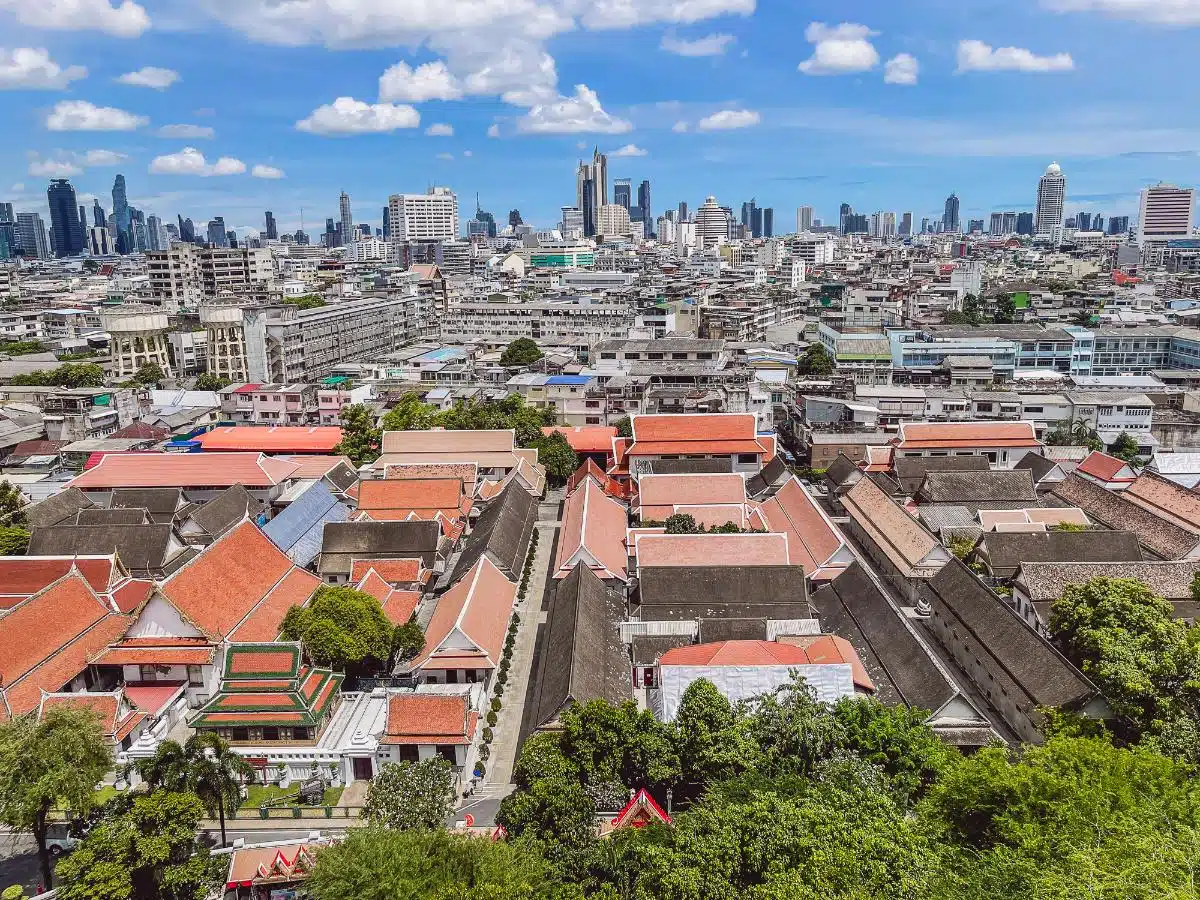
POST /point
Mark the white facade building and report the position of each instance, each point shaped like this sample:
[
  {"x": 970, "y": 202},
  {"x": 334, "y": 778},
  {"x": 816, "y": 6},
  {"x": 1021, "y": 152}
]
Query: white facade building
[
  {"x": 1165, "y": 213},
  {"x": 613, "y": 221},
  {"x": 712, "y": 224},
  {"x": 424, "y": 217},
  {"x": 369, "y": 250},
  {"x": 804, "y": 219},
  {"x": 1051, "y": 197}
]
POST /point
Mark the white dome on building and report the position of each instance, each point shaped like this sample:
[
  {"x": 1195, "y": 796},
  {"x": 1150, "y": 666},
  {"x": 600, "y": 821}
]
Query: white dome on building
[{"x": 1054, "y": 169}]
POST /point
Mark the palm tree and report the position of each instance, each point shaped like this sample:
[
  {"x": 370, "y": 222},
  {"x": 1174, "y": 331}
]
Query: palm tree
[{"x": 206, "y": 766}]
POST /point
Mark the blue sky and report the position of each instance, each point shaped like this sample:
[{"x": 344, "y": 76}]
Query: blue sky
[{"x": 884, "y": 106}]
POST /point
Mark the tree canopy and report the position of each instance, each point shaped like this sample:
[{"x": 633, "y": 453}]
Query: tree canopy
[
  {"x": 70, "y": 375},
  {"x": 306, "y": 301},
  {"x": 148, "y": 375},
  {"x": 342, "y": 628},
  {"x": 521, "y": 352},
  {"x": 207, "y": 381},
  {"x": 411, "y": 794},
  {"x": 816, "y": 362},
  {"x": 555, "y": 453},
  {"x": 1125, "y": 447},
  {"x": 360, "y": 435}
]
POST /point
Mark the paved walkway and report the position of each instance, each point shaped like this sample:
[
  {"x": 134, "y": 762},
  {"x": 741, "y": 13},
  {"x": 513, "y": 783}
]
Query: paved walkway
[{"x": 498, "y": 780}]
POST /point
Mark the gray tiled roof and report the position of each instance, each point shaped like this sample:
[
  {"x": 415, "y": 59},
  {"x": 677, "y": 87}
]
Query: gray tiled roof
[
  {"x": 1004, "y": 551},
  {"x": 1164, "y": 539},
  {"x": 1001, "y": 485},
  {"x": 722, "y": 592},
  {"x": 911, "y": 470}
]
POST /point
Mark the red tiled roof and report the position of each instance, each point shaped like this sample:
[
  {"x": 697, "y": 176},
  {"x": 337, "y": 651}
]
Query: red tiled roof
[
  {"x": 274, "y": 439},
  {"x": 585, "y": 438},
  {"x": 105, "y": 706},
  {"x": 694, "y": 427},
  {"x": 593, "y": 530},
  {"x": 693, "y": 448},
  {"x": 811, "y": 539},
  {"x": 429, "y": 719},
  {"x": 316, "y": 465},
  {"x": 804, "y": 650},
  {"x": 690, "y": 490},
  {"x": 131, "y": 594},
  {"x": 152, "y": 696},
  {"x": 141, "y": 431},
  {"x": 1164, "y": 497},
  {"x": 121, "y": 655},
  {"x": 400, "y": 606},
  {"x": 116, "y": 470},
  {"x": 393, "y": 571},
  {"x": 1103, "y": 467},
  {"x": 479, "y": 606},
  {"x": 712, "y": 550},
  {"x": 372, "y": 584},
  {"x": 24, "y": 576},
  {"x": 266, "y": 619},
  {"x": 411, "y": 493},
  {"x": 936, "y": 435}
]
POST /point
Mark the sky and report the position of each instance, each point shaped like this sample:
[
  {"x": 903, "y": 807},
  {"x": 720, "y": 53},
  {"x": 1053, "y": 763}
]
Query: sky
[{"x": 233, "y": 107}]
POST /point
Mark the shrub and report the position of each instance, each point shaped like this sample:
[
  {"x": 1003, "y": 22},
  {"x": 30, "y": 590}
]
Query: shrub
[
  {"x": 516, "y": 619},
  {"x": 502, "y": 678},
  {"x": 485, "y": 751},
  {"x": 496, "y": 704},
  {"x": 492, "y": 718},
  {"x": 480, "y": 769},
  {"x": 487, "y": 735},
  {"x": 499, "y": 691}
]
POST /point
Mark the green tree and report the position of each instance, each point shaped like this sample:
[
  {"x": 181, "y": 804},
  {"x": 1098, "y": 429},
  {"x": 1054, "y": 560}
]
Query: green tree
[
  {"x": 1004, "y": 310},
  {"x": 360, "y": 435},
  {"x": 146, "y": 851},
  {"x": 816, "y": 362},
  {"x": 1126, "y": 639},
  {"x": 1124, "y": 447},
  {"x": 207, "y": 381},
  {"x": 555, "y": 453},
  {"x": 411, "y": 795},
  {"x": 307, "y": 301},
  {"x": 410, "y": 414},
  {"x": 206, "y": 766},
  {"x": 542, "y": 757},
  {"x": 624, "y": 426},
  {"x": 12, "y": 505},
  {"x": 21, "y": 348},
  {"x": 58, "y": 760},
  {"x": 619, "y": 743},
  {"x": 521, "y": 352},
  {"x": 382, "y": 864},
  {"x": 557, "y": 814},
  {"x": 711, "y": 736},
  {"x": 342, "y": 628},
  {"x": 1075, "y": 433},
  {"x": 408, "y": 639},
  {"x": 682, "y": 523},
  {"x": 149, "y": 375},
  {"x": 71, "y": 375}
]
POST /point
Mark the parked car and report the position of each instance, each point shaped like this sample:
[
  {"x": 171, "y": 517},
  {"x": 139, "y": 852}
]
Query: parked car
[{"x": 59, "y": 839}]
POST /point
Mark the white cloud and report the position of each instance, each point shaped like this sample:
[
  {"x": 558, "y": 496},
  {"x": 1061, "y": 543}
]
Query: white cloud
[
  {"x": 976, "y": 56},
  {"x": 468, "y": 153},
  {"x": 103, "y": 158},
  {"x": 580, "y": 112},
  {"x": 431, "y": 81},
  {"x": 150, "y": 77},
  {"x": 440, "y": 129},
  {"x": 520, "y": 72},
  {"x": 628, "y": 150},
  {"x": 53, "y": 168},
  {"x": 728, "y": 119},
  {"x": 31, "y": 68},
  {"x": 345, "y": 115},
  {"x": 190, "y": 161},
  {"x": 445, "y": 156},
  {"x": 601, "y": 14},
  {"x": 1158, "y": 12},
  {"x": 186, "y": 132},
  {"x": 839, "y": 50},
  {"x": 261, "y": 171},
  {"x": 712, "y": 45},
  {"x": 680, "y": 127},
  {"x": 126, "y": 20},
  {"x": 901, "y": 69},
  {"x": 493, "y": 130},
  {"x": 79, "y": 115}
]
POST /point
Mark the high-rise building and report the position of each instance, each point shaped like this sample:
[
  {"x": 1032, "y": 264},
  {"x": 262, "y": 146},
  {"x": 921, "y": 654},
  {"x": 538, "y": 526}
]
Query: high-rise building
[
  {"x": 613, "y": 221},
  {"x": 432, "y": 216},
  {"x": 31, "y": 235},
  {"x": 231, "y": 239},
  {"x": 571, "y": 224},
  {"x": 748, "y": 214},
  {"x": 623, "y": 193},
  {"x": 121, "y": 213},
  {"x": 975, "y": 226},
  {"x": 643, "y": 202},
  {"x": 756, "y": 221},
  {"x": 484, "y": 223},
  {"x": 925, "y": 225},
  {"x": 1083, "y": 221},
  {"x": 347, "y": 221},
  {"x": 6, "y": 213},
  {"x": 591, "y": 190},
  {"x": 1051, "y": 197},
  {"x": 1118, "y": 225},
  {"x": 217, "y": 236},
  {"x": 1098, "y": 223},
  {"x": 172, "y": 234},
  {"x": 387, "y": 224},
  {"x": 187, "y": 230},
  {"x": 996, "y": 223},
  {"x": 100, "y": 242},
  {"x": 1165, "y": 213},
  {"x": 1025, "y": 223},
  {"x": 99, "y": 217},
  {"x": 712, "y": 224},
  {"x": 804, "y": 219},
  {"x": 683, "y": 211},
  {"x": 83, "y": 227},
  {"x": 887, "y": 226},
  {"x": 331, "y": 233},
  {"x": 768, "y": 222},
  {"x": 950, "y": 219},
  {"x": 272, "y": 228},
  {"x": 906, "y": 221},
  {"x": 156, "y": 234},
  {"x": 66, "y": 235},
  {"x": 514, "y": 216}
]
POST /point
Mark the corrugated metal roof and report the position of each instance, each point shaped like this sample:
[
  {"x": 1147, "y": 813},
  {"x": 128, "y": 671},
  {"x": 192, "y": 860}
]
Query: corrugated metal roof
[{"x": 297, "y": 530}]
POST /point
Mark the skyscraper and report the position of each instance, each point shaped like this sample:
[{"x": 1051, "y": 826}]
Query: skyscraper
[
  {"x": 950, "y": 219},
  {"x": 756, "y": 221},
  {"x": 1025, "y": 223},
  {"x": 1051, "y": 196},
  {"x": 83, "y": 227},
  {"x": 768, "y": 222},
  {"x": 217, "y": 235},
  {"x": 514, "y": 217},
  {"x": 683, "y": 211},
  {"x": 66, "y": 232},
  {"x": 712, "y": 224},
  {"x": 121, "y": 213},
  {"x": 387, "y": 225},
  {"x": 1165, "y": 213},
  {"x": 31, "y": 235},
  {"x": 99, "y": 217},
  {"x": 187, "y": 230},
  {"x": 6, "y": 213},
  {"x": 906, "y": 221},
  {"x": 748, "y": 208},
  {"x": 156, "y": 234},
  {"x": 804, "y": 219},
  {"x": 623, "y": 193},
  {"x": 644, "y": 205},
  {"x": 591, "y": 190},
  {"x": 347, "y": 221},
  {"x": 844, "y": 212},
  {"x": 1083, "y": 221},
  {"x": 272, "y": 228},
  {"x": 1118, "y": 224}
]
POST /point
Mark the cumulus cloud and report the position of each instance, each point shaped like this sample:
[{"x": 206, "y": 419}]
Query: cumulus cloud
[
  {"x": 127, "y": 20},
  {"x": 53, "y": 168},
  {"x": 901, "y": 69},
  {"x": 728, "y": 119},
  {"x": 680, "y": 127},
  {"x": 493, "y": 130},
  {"x": 628, "y": 150},
  {"x": 186, "y": 132},
  {"x": 190, "y": 161},
  {"x": 440, "y": 129},
  {"x": 712, "y": 45},
  {"x": 345, "y": 115},
  {"x": 1158, "y": 12},
  {"x": 103, "y": 158},
  {"x": 976, "y": 56},
  {"x": 66, "y": 164},
  {"x": 79, "y": 115},
  {"x": 468, "y": 153},
  {"x": 581, "y": 112},
  {"x": 630, "y": 13},
  {"x": 839, "y": 50},
  {"x": 430, "y": 81},
  {"x": 261, "y": 171},
  {"x": 150, "y": 77},
  {"x": 31, "y": 68}
]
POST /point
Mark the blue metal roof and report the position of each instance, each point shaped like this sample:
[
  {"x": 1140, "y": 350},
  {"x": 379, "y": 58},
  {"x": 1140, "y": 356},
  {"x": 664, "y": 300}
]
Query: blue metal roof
[
  {"x": 297, "y": 531},
  {"x": 579, "y": 380}
]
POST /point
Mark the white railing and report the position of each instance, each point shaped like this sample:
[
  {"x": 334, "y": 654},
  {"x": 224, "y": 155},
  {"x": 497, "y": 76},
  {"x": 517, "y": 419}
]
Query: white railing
[{"x": 629, "y": 630}]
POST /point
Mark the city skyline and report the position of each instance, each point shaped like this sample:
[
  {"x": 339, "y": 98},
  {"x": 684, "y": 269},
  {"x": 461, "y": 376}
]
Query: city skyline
[{"x": 997, "y": 93}]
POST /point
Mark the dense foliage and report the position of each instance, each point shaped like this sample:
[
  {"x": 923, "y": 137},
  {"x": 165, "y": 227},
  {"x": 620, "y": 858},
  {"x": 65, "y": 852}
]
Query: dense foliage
[
  {"x": 816, "y": 362},
  {"x": 207, "y": 381},
  {"x": 411, "y": 794},
  {"x": 555, "y": 453},
  {"x": 306, "y": 301},
  {"x": 70, "y": 375},
  {"x": 21, "y": 348},
  {"x": 148, "y": 375},
  {"x": 1074, "y": 433},
  {"x": 342, "y": 628},
  {"x": 360, "y": 434},
  {"x": 521, "y": 352}
]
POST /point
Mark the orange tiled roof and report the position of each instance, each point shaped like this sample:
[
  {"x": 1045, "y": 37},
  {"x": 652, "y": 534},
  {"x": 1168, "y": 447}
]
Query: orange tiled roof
[
  {"x": 478, "y": 606},
  {"x": 691, "y": 490},
  {"x": 712, "y": 550},
  {"x": 274, "y": 439},
  {"x": 400, "y": 606},
  {"x": 429, "y": 719},
  {"x": 24, "y": 576},
  {"x": 937, "y": 435},
  {"x": 316, "y": 465},
  {"x": 393, "y": 571},
  {"x": 122, "y": 654},
  {"x": 805, "y": 650},
  {"x": 216, "y": 470},
  {"x": 410, "y": 494},
  {"x": 1103, "y": 467},
  {"x": 811, "y": 538},
  {"x": 593, "y": 531},
  {"x": 105, "y": 706},
  {"x": 694, "y": 427},
  {"x": 586, "y": 438},
  {"x": 1172, "y": 501}
]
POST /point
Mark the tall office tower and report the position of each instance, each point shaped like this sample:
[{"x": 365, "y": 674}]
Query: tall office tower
[
  {"x": 1025, "y": 223},
  {"x": 591, "y": 190},
  {"x": 8, "y": 239},
  {"x": 387, "y": 224},
  {"x": 1098, "y": 223},
  {"x": 83, "y": 227},
  {"x": 996, "y": 223},
  {"x": 99, "y": 217},
  {"x": 272, "y": 228},
  {"x": 187, "y": 230},
  {"x": 804, "y": 219},
  {"x": 571, "y": 223},
  {"x": 888, "y": 226},
  {"x": 345, "y": 218},
  {"x": 65, "y": 233},
  {"x": 137, "y": 226},
  {"x": 157, "y": 237},
  {"x": 950, "y": 219},
  {"x": 748, "y": 214},
  {"x": 172, "y": 234},
  {"x": 683, "y": 212},
  {"x": 1051, "y": 196},
  {"x": 712, "y": 224},
  {"x": 768, "y": 222},
  {"x": 1165, "y": 213},
  {"x": 643, "y": 202},
  {"x": 330, "y": 239},
  {"x": 514, "y": 215},
  {"x": 31, "y": 235},
  {"x": 1083, "y": 221},
  {"x": 302, "y": 238},
  {"x": 1118, "y": 224},
  {"x": 906, "y": 221},
  {"x": 756, "y": 221},
  {"x": 6, "y": 213},
  {"x": 217, "y": 236},
  {"x": 99, "y": 242},
  {"x": 1009, "y": 224},
  {"x": 877, "y": 224},
  {"x": 623, "y": 193},
  {"x": 431, "y": 216},
  {"x": 121, "y": 213},
  {"x": 975, "y": 226},
  {"x": 231, "y": 240}
]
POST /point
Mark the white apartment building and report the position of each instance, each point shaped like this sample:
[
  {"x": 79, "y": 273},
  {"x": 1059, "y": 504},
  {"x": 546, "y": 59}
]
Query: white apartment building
[
  {"x": 576, "y": 322},
  {"x": 186, "y": 274},
  {"x": 812, "y": 249},
  {"x": 423, "y": 217},
  {"x": 1165, "y": 213},
  {"x": 613, "y": 221},
  {"x": 804, "y": 219},
  {"x": 1051, "y": 197},
  {"x": 369, "y": 250}
]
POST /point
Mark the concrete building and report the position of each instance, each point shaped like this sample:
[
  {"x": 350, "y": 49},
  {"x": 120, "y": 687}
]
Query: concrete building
[
  {"x": 137, "y": 337},
  {"x": 1165, "y": 213},
  {"x": 185, "y": 274},
  {"x": 1051, "y": 196},
  {"x": 613, "y": 221},
  {"x": 432, "y": 216},
  {"x": 576, "y": 322},
  {"x": 712, "y": 224},
  {"x": 31, "y": 236}
]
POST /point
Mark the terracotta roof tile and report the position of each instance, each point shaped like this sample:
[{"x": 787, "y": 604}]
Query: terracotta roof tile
[
  {"x": 429, "y": 719},
  {"x": 479, "y": 606},
  {"x": 586, "y": 438},
  {"x": 691, "y": 490},
  {"x": 274, "y": 439},
  {"x": 593, "y": 531},
  {"x": 686, "y": 427},
  {"x": 933, "y": 435},
  {"x": 1170, "y": 500},
  {"x": 410, "y": 494},
  {"x": 1103, "y": 467},
  {"x": 266, "y": 619},
  {"x": 128, "y": 470},
  {"x": 393, "y": 571},
  {"x": 712, "y": 550},
  {"x": 811, "y": 538},
  {"x": 24, "y": 576}
]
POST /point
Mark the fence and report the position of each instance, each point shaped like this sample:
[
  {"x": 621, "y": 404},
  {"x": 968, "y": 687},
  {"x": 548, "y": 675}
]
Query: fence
[{"x": 297, "y": 812}]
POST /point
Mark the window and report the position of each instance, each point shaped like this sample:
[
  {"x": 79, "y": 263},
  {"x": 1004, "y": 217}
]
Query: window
[
  {"x": 301, "y": 734},
  {"x": 270, "y": 733},
  {"x": 195, "y": 675},
  {"x": 654, "y": 356},
  {"x": 408, "y": 753},
  {"x": 446, "y": 752},
  {"x": 746, "y": 459},
  {"x": 147, "y": 673},
  {"x": 239, "y": 734}
]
